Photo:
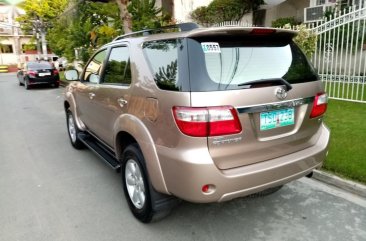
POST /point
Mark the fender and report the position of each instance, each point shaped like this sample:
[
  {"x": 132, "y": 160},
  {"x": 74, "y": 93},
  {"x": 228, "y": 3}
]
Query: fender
[
  {"x": 69, "y": 97},
  {"x": 137, "y": 129}
]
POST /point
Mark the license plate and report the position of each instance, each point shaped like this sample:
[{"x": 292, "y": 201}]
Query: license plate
[
  {"x": 277, "y": 118},
  {"x": 44, "y": 74}
]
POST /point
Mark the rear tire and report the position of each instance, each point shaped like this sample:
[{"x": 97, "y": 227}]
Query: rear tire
[
  {"x": 73, "y": 131},
  {"x": 26, "y": 85},
  {"x": 139, "y": 193}
]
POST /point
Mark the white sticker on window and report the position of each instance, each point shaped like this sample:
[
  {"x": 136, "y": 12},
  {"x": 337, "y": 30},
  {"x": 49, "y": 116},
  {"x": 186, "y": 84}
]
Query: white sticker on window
[{"x": 209, "y": 47}]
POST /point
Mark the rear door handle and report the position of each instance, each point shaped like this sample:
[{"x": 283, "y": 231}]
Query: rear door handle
[
  {"x": 91, "y": 95},
  {"x": 122, "y": 102}
]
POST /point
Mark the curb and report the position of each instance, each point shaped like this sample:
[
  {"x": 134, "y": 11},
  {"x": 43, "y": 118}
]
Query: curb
[{"x": 350, "y": 186}]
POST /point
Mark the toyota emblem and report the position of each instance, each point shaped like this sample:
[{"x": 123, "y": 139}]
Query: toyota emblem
[{"x": 281, "y": 93}]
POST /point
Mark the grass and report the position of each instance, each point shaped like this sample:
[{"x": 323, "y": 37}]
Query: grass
[
  {"x": 347, "y": 152},
  {"x": 62, "y": 75},
  {"x": 354, "y": 91}
]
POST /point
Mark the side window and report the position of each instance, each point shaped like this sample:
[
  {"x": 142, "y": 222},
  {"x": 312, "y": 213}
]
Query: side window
[
  {"x": 93, "y": 69},
  {"x": 118, "y": 69},
  {"x": 162, "y": 56}
]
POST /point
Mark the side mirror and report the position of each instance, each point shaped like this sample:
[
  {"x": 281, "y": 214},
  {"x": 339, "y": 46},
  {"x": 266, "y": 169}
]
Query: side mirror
[
  {"x": 94, "y": 78},
  {"x": 71, "y": 75}
]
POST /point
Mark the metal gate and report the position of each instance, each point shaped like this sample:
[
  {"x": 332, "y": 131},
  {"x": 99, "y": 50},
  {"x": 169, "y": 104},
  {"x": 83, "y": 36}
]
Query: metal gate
[{"x": 340, "y": 56}]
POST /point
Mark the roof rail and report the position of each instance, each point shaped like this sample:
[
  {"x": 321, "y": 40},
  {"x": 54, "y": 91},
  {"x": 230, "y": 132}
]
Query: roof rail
[{"x": 182, "y": 26}]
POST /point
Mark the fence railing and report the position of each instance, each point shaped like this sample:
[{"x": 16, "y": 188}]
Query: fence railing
[{"x": 340, "y": 56}]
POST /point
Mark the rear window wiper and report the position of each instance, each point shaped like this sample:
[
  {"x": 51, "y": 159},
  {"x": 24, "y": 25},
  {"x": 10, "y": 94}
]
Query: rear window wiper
[{"x": 268, "y": 81}]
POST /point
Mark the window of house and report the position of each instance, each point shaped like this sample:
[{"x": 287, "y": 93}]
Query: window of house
[
  {"x": 28, "y": 47},
  {"x": 6, "y": 48}
]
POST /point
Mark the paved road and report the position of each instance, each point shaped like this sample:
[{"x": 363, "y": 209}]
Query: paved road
[{"x": 51, "y": 192}]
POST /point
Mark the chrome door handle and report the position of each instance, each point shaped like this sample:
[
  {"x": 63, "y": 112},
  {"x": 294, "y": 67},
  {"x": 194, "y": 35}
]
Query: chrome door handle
[
  {"x": 91, "y": 95},
  {"x": 122, "y": 102}
]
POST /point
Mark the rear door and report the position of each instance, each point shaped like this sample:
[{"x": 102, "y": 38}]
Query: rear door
[{"x": 247, "y": 73}]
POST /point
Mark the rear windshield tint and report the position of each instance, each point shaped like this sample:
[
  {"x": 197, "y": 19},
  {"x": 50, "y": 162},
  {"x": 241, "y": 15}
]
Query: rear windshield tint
[
  {"x": 226, "y": 64},
  {"x": 41, "y": 65},
  {"x": 209, "y": 64}
]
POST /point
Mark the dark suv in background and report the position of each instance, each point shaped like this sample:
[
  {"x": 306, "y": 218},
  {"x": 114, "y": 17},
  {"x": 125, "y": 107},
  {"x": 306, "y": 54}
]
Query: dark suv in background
[{"x": 200, "y": 114}]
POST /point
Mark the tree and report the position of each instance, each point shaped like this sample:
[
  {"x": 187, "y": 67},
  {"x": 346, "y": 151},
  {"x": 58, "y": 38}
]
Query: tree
[
  {"x": 38, "y": 16},
  {"x": 144, "y": 14},
  {"x": 91, "y": 25},
  {"x": 125, "y": 15},
  {"x": 45, "y": 11},
  {"x": 140, "y": 14},
  {"x": 224, "y": 10}
]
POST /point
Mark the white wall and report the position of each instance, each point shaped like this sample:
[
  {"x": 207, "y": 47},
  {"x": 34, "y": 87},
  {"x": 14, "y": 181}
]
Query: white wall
[
  {"x": 183, "y": 8},
  {"x": 247, "y": 19},
  {"x": 290, "y": 8},
  {"x": 12, "y": 58}
]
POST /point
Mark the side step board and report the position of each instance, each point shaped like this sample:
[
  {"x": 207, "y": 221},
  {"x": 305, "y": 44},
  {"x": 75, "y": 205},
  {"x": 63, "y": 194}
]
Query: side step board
[{"x": 98, "y": 148}]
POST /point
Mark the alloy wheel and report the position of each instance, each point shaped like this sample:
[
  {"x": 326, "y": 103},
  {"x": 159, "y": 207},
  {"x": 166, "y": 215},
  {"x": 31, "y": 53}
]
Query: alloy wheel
[
  {"x": 72, "y": 130},
  {"x": 135, "y": 184}
]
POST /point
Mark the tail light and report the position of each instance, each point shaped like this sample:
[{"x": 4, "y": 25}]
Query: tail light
[
  {"x": 31, "y": 73},
  {"x": 320, "y": 105},
  {"x": 55, "y": 72},
  {"x": 207, "y": 121},
  {"x": 262, "y": 31}
]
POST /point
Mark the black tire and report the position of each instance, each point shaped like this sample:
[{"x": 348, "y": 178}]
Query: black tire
[
  {"x": 73, "y": 131},
  {"x": 147, "y": 211},
  {"x": 26, "y": 85},
  {"x": 133, "y": 156}
]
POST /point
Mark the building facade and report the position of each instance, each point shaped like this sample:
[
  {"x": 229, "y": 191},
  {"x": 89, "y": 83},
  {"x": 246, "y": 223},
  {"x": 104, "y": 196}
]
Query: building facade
[
  {"x": 15, "y": 46},
  {"x": 302, "y": 10},
  {"x": 268, "y": 12}
]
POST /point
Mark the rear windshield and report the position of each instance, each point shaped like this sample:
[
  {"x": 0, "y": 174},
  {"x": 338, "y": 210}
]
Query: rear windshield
[
  {"x": 227, "y": 64},
  {"x": 41, "y": 65}
]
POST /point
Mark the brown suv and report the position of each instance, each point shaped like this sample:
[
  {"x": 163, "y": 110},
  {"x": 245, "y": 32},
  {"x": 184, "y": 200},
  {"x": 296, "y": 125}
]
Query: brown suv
[{"x": 200, "y": 114}]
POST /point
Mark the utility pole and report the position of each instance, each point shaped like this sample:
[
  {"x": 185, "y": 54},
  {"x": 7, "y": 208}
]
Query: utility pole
[{"x": 39, "y": 28}]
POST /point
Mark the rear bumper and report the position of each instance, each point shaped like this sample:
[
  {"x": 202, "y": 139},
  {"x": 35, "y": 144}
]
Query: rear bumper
[
  {"x": 41, "y": 81},
  {"x": 186, "y": 173}
]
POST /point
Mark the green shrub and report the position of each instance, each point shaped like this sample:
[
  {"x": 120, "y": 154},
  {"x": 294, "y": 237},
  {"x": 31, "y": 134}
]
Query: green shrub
[
  {"x": 305, "y": 39},
  {"x": 281, "y": 22},
  {"x": 224, "y": 10}
]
